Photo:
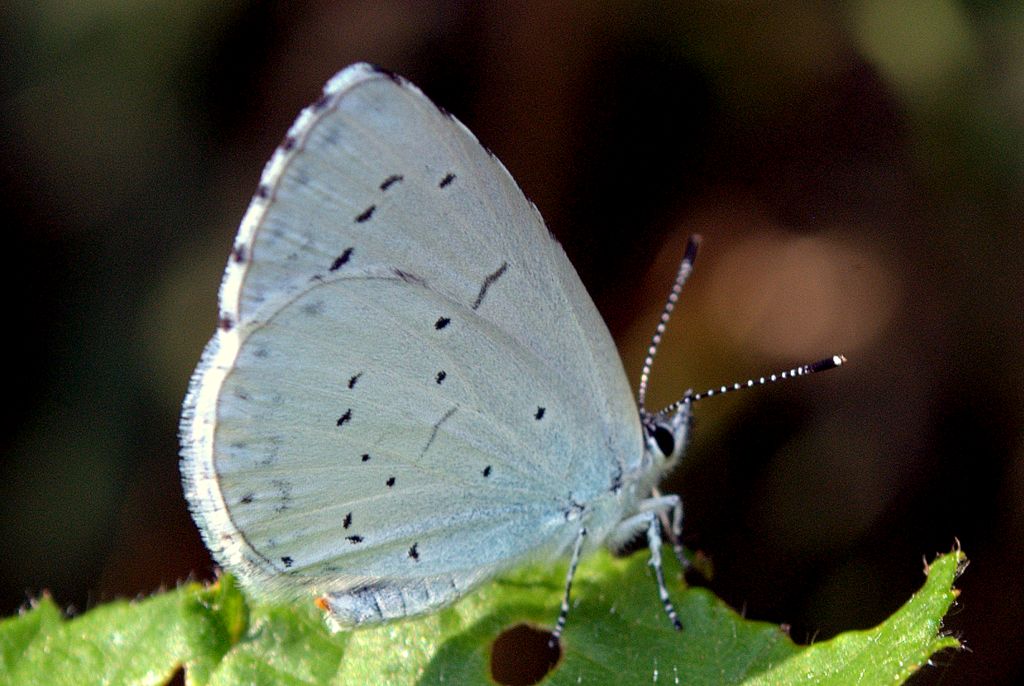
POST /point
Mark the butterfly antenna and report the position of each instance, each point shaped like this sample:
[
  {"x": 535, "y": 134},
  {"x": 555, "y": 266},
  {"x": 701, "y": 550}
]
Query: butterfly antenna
[
  {"x": 819, "y": 366},
  {"x": 685, "y": 267}
]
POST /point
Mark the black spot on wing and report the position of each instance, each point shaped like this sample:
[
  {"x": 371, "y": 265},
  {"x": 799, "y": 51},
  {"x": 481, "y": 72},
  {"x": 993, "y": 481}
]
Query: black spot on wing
[
  {"x": 365, "y": 214},
  {"x": 414, "y": 553},
  {"x": 539, "y": 414},
  {"x": 440, "y": 376},
  {"x": 226, "y": 323},
  {"x": 390, "y": 482},
  {"x": 341, "y": 260},
  {"x": 238, "y": 253},
  {"x": 447, "y": 180},
  {"x": 353, "y": 380},
  {"x": 365, "y": 457},
  {"x": 347, "y": 417},
  {"x": 348, "y": 521},
  {"x": 262, "y": 192},
  {"x": 288, "y": 143},
  {"x": 441, "y": 323},
  {"x": 247, "y": 498},
  {"x": 487, "y": 471},
  {"x": 354, "y": 539},
  {"x": 391, "y": 181},
  {"x": 287, "y": 561},
  {"x": 490, "y": 279}
]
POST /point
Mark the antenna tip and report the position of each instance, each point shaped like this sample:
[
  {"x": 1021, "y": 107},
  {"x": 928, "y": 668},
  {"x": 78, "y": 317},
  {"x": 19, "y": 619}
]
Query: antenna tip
[
  {"x": 690, "y": 254},
  {"x": 827, "y": 363}
]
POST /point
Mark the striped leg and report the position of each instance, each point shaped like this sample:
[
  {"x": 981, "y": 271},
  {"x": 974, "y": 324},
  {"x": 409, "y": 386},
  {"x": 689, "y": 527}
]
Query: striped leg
[
  {"x": 675, "y": 529},
  {"x": 563, "y": 613},
  {"x": 648, "y": 518},
  {"x": 654, "y": 543}
]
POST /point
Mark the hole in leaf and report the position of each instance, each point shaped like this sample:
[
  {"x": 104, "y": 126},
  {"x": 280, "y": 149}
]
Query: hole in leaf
[{"x": 521, "y": 656}]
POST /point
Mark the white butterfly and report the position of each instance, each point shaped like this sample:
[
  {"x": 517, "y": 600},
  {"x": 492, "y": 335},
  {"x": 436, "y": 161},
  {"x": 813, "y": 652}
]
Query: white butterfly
[{"x": 409, "y": 390}]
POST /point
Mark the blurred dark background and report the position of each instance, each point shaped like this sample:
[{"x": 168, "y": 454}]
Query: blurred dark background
[{"x": 856, "y": 169}]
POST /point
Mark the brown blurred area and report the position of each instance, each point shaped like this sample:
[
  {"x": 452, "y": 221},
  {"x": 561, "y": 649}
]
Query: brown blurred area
[{"x": 856, "y": 171}]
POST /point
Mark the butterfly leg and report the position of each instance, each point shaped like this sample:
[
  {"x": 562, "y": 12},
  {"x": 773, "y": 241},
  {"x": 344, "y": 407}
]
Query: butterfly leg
[
  {"x": 648, "y": 518},
  {"x": 654, "y": 543},
  {"x": 660, "y": 504},
  {"x": 563, "y": 613},
  {"x": 675, "y": 529}
]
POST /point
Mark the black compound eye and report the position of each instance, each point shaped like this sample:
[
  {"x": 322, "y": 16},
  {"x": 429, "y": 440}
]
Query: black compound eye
[{"x": 665, "y": 439}]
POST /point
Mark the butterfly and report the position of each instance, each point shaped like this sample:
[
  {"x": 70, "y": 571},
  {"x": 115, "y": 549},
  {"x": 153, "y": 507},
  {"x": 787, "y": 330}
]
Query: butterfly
[{"x": 409, "y": 390}]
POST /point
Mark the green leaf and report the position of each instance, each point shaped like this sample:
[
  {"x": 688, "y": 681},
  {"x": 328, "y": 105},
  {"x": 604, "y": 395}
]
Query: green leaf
[
  {"x": 888, "y": 653},
  {"x": 617, "y": 633},
  {"x": 120, "y": 642}
]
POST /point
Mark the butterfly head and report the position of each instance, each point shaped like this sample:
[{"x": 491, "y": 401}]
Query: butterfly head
[{"x": 666, "y": 434}]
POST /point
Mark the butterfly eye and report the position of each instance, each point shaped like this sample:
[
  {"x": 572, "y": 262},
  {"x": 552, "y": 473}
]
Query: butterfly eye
[{"x": 664, "y": 438}]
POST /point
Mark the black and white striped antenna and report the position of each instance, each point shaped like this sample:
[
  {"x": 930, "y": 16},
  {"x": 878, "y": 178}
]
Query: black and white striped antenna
[
  {"x": 821, "y": 365},
  {"x": 685, "y": 268}
]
